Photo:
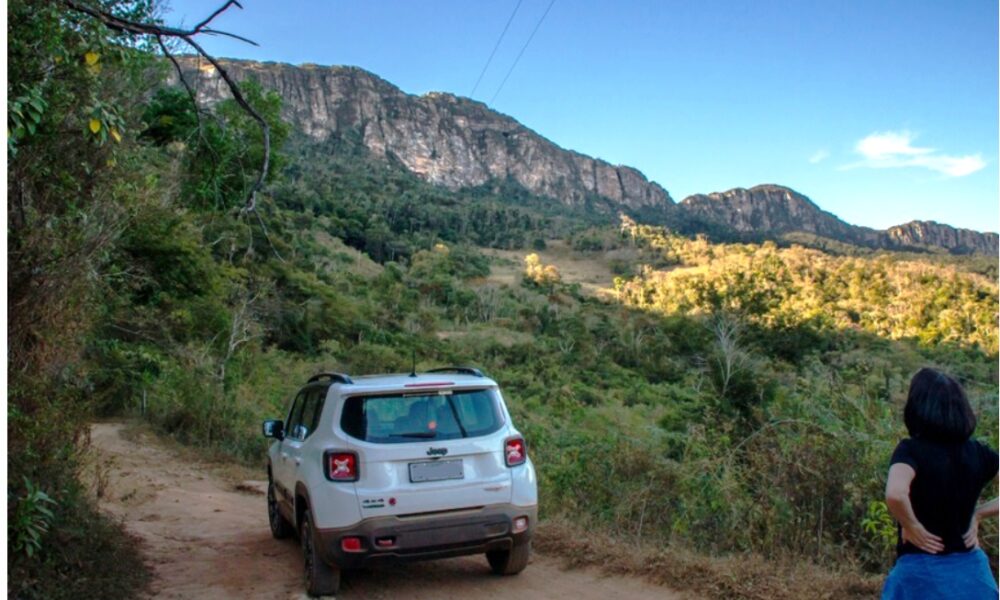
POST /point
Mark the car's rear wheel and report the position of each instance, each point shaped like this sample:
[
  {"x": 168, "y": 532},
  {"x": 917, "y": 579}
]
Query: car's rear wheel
[
  {"x": 280, "y": 527},
  {"x": 510, "y": 562},
  {"x": 321, "y": 578}
]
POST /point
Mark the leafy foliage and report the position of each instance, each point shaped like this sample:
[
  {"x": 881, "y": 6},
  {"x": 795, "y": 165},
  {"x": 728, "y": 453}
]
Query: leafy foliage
[
  {"x": 382, "y": 209},
  {"x": 169, "y": 117},
  {"x": 790, "y": 287},
  {"x": 536, "y": 273},
  {"x": 32, "y": 518},
  {"x": 75, "y": 179}
]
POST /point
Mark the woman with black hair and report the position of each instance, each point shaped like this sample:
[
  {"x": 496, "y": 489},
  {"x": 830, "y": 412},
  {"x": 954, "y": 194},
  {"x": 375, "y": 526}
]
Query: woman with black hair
[{"x": 935, "y": 479}]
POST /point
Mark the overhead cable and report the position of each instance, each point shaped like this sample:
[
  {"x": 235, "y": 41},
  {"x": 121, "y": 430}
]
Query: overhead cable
[
  {"x": 492, "y": 54},
  {"x": 523, "y": 48}
]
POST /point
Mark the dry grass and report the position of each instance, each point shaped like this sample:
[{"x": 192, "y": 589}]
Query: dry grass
[
  {"x": 486, "y": 333},
  {"x": 589, "y": 269},
  {"x": 737, "y": 576}
]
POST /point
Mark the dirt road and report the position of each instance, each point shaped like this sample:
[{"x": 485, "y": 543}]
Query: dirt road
[{"x": 206, "y": 538}]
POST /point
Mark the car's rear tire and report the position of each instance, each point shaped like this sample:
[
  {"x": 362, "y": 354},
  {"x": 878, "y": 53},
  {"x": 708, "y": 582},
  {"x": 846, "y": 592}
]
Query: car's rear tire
[
  {"x": 510, "y": 562},
  {"x": 280, "y": 527},
  {"x": 321, "y": 579}
]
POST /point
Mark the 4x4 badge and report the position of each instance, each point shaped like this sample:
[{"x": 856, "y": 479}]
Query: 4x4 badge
[{"x": 432, "y": 451}]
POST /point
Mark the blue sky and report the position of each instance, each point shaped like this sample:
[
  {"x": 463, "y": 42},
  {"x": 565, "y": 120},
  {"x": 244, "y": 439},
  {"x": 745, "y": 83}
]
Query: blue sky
[{"x": 881, "y": 111}]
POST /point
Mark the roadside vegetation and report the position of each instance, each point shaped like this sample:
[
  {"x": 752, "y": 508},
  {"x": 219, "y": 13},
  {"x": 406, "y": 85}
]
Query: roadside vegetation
[
  {"x": 75, "y": 180},
  {"x": 726, "y": 400}
]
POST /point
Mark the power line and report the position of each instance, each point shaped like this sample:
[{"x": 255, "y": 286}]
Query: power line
[
  {"x": 500, "y": 39},
  {"x": 523, "y": 48}
]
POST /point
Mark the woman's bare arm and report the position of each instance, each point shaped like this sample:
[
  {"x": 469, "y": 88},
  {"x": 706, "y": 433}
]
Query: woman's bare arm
[
  {"x": 987, "y": 509},
  {"x": 897, "y": 498}
]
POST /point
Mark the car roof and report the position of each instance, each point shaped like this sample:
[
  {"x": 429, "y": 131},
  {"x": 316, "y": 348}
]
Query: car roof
[{"x": 406, "y": 382}]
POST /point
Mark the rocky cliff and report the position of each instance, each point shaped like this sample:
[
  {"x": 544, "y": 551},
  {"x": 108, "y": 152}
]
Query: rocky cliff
[
  {"x": 448, "y": 140},
  {"x": 772, "y": 210},
  {"x": 930, "y": 233}
]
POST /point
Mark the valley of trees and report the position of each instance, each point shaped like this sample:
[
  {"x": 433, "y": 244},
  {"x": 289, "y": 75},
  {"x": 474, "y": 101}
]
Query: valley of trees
[{"x": 732, "y": 398}]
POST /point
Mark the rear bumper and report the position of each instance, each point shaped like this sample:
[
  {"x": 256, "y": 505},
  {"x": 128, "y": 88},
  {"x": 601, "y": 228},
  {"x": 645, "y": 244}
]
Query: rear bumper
[{"x": 428, "y": 536}]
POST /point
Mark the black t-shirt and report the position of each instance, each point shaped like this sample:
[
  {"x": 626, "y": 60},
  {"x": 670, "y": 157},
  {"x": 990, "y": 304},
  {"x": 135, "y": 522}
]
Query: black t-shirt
[{"x": 950, "y": 477}]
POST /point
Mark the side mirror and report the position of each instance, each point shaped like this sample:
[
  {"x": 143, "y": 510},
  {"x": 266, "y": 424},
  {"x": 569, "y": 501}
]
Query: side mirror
[{"x": 274, "y": 429}]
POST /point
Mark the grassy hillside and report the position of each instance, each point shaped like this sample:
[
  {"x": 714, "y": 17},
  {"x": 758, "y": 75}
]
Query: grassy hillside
[{"x": 721, "y": 398}]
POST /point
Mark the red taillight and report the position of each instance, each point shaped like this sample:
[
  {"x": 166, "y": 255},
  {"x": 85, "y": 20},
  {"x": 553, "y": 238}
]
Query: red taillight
[
  {"x": 341, "y": 466},
  {"x": 350, "y": 544},
  {"x": 514, "y": 452}
]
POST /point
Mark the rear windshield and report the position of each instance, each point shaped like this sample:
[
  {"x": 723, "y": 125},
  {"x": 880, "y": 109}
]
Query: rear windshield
[{"x": 405, "y": 418}]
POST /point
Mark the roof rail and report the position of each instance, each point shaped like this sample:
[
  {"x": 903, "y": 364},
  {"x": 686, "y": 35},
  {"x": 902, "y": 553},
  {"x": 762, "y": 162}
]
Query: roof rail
[
  {"x": 334, "y": 377},
  {"x": 462, "y": 370}
]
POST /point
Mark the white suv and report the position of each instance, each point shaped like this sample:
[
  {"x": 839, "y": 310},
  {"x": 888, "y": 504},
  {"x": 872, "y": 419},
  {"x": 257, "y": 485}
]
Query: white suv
[{"x": 400, "y": 467}]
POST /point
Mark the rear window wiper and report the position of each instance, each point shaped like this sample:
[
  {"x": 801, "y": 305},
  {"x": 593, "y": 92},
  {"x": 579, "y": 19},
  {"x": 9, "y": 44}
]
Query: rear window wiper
[
  {"x": 417, "y": 434},
  {"x": 458, "y": 421}
]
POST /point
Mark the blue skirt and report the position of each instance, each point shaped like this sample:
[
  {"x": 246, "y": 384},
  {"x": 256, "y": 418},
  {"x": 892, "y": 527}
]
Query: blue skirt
[{"x": 961, "y": 576}]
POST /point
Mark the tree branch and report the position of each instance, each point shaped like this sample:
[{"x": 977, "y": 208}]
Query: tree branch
[
  {"x": 207, "y": 31},
  {"x": 266, "y": 236},
  {"x": 161, "y": 31},
  {"x": 251, "y": 201},
  {"x": 218, "y": 11},
  {"x": 180, "y": 76},
  {"x": 124, "y": 25}
]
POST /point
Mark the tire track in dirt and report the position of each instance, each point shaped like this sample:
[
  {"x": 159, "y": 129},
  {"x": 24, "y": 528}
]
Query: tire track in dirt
[{"x": 206, "y": 540}]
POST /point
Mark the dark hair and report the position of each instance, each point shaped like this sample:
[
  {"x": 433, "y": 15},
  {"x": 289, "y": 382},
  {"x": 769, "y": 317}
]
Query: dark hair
[{"x": 937, "y": 409}]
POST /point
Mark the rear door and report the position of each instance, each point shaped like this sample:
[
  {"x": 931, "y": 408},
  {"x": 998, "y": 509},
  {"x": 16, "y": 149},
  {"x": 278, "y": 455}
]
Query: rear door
[
  {"x": 305, "y": 425},
  {"x": 281, "y": 468},
  {"x": 428, "y": 451}
]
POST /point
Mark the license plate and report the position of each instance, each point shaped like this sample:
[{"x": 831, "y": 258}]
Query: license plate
[{"x": 436, "y": 470}]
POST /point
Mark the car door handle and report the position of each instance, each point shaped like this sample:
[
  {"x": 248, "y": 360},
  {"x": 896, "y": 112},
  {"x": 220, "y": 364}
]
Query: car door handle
[
  {"x": 284, "y": 456},
  {"x": 298, "y": 461}
]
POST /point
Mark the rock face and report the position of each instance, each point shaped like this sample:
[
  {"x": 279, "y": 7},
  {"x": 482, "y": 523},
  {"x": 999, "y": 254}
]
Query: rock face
[
  {"x": 450, "y": 141},
  {"x": 772, "y": 209},
  {"x": 930, "y": 233},
  {"x": 775, "y": 210}
]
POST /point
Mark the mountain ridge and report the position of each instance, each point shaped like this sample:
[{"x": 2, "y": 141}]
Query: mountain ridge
[
  {"x": 773, "y": 208},
  {"x": 457, "y": 143},
  {"x": 776, "y": 209},
  {"x": 446, "y": 139}
]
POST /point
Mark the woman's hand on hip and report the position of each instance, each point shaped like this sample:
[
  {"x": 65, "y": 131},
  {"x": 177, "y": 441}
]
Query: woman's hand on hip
[
  {"x": 918, "y": 535},
  {"x": 971, "y": 537}
]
